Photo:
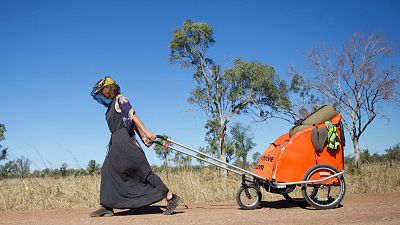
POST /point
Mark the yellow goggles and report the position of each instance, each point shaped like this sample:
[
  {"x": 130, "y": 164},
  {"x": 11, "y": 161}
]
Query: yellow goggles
[{"x": 107, "y": 81}]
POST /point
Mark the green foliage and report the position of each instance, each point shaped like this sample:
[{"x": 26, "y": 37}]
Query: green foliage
[
  {"x": 8, "y": 170},
  {"x": 390, "y": 155},
  {"x": 2, "y": 131},
  {"x": 229, "y": 149},
  {"x": 3, "y": 152},
  {"x": 18, "y": 168},
  {"x": 190, "y": 43},
  {"x": 256, "y": 156},
  {"x": 79, "y": 172},
  {"x": 181, "y": 160},
  {"x": 242, "y": 143},
  {"x": 63, "y": 170},
  {"x": 212, "y": 139},
  {"x": 93, "y": 167},
  {"x": 162, "y": 153},
  {"x": 255, "y": 87},
  {"x": 393, "y": 153},
  {"x": 203, "y": 150}
]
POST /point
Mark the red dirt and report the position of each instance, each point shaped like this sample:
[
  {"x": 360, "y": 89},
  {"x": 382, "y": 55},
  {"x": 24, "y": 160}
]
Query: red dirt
[{"x": 381, "y": 208}]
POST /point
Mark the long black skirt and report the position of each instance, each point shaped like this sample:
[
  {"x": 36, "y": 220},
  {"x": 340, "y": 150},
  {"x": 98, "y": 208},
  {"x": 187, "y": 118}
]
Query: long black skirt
[{"x": 127, "y": 180}]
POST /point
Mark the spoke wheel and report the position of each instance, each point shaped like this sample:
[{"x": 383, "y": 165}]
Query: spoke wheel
[
  {"x": 248, "y": 197},
  {"x": 329, "y": 193}
]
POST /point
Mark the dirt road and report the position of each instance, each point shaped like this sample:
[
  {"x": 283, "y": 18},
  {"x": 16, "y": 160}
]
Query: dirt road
[{"x": 356, "y": 209}]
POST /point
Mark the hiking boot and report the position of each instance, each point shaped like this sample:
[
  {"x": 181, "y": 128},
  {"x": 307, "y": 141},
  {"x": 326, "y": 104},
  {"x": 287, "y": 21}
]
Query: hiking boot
[
  {"x": 102, "y": 211},
  {"x": 172, "y": 204}
]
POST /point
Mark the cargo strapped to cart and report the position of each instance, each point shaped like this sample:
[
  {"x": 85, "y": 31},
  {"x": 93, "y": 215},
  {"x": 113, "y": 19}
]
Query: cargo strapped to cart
[
  {"x": 324, "y": 113},
  {"x": 319, "y": 135},
  {"x": 333, "y": 137}
]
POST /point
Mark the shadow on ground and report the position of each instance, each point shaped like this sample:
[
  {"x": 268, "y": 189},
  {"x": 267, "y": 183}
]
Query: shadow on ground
[
  {"x": 157, "y": 209},
  {"x": 153, "y": 209},
  {"x": 281, "y": 204}
]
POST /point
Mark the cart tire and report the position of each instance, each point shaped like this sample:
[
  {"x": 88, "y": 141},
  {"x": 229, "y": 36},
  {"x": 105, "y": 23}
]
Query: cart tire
[
  {"x": 249, "y": 200},
  {"x": 319, "y": 199},
  {"x": 297, "y": 200}
]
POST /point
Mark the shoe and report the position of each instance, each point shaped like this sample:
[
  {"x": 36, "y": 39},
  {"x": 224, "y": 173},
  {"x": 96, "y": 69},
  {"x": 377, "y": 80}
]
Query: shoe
[
  {"x": 172, "y": 204},
  {"x": 102, "y": 211}
]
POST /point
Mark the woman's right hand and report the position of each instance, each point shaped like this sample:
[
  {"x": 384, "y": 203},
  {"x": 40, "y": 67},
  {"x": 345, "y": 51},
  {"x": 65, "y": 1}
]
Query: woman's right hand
[
  {"x": 147, "y": 141},
  {"x": 100, "y": 82},
  {"x": 149, "y": 138}
]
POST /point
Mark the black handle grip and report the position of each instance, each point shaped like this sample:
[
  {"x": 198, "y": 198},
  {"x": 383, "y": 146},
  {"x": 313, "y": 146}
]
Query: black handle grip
[
  {"x": 157, "y": 142},
  {"x": 162, "y": 137}
]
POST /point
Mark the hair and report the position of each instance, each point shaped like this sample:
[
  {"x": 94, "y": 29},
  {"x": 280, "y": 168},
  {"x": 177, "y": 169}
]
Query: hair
[{"x": 114, "y": 90}]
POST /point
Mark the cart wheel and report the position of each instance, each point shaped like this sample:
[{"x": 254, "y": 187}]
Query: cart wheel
[
  {"x": 248, "y": 197},
  {"x": 329, "y": 193},
  {"x": 296, "y": 196}
]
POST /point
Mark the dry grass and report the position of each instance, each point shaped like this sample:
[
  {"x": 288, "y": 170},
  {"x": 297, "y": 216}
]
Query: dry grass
[
  {"x": 193, "y": 186},
  {"x": 47, "y": 193},
  {"x": 201, "y": 186},
  {"x": 374, "y": 178}
]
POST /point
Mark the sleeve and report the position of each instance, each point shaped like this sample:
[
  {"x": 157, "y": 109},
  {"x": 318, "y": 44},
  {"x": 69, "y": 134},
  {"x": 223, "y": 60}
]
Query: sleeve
[
  {"x": 126, "y": 110},
  {"x": 100, "y": 98}
]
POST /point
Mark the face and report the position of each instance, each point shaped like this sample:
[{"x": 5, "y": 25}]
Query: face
[{"x": 106, "y": 92}]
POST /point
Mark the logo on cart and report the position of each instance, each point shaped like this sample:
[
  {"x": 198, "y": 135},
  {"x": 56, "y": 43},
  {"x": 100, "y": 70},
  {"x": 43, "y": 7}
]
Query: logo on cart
[
  {"x": 267, "y": 158},
  {"x": 260, "y": 167}
]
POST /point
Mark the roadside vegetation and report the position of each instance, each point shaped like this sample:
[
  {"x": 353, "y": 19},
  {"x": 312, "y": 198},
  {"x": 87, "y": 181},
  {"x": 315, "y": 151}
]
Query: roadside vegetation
[{"x": 79, "y": 188}]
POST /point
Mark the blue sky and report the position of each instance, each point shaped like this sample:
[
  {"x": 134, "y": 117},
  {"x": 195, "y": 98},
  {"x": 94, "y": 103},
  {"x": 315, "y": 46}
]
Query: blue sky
[{"x": 52, "y": 52}]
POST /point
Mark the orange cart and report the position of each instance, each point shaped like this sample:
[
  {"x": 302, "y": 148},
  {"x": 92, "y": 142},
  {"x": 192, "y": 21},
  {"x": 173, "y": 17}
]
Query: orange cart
[{"x": 291, "y": 161}]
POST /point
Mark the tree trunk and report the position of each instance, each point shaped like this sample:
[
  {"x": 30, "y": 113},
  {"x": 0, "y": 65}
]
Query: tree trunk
[
  {"x": 166, "y": 168},
  {"x": 354, "y": 138},
  {"x": 357, "y": 153},
  {"x": 222, "y": 153},
  {"x": 222, "y": 156},
  {"x": 166, "y": 163}
]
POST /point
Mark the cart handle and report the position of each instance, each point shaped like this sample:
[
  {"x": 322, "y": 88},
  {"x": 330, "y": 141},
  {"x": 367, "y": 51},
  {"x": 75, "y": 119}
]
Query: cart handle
[
  {"x": 237, "y": 169},
  {"x": 161, "y": 137},
  {"x": 157, "y": 142},
  {"x": 164, "y": 138}
]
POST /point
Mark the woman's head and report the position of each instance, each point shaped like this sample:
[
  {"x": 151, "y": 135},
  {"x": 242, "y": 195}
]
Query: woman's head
[
  {"x": 110, "y": 91},
  {"x": 107, "y": 87}
]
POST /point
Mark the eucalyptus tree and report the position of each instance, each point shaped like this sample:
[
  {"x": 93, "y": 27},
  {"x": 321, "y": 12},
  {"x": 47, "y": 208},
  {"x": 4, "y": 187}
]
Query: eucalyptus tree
[{"x": 250, "y": 88}]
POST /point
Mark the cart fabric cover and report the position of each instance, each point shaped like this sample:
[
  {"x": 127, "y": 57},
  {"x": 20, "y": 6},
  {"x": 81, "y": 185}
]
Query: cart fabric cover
[
  {"x": 325, "y": 113},
  {"x": 288, "y": 159},
  {"x": 319, "y": 136}
]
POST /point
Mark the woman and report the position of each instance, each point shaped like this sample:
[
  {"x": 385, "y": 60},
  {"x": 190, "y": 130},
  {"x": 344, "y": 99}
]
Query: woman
[{"x": 127, "y": 180}]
